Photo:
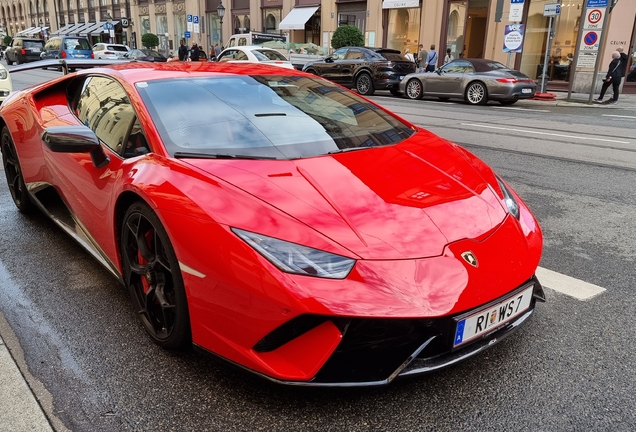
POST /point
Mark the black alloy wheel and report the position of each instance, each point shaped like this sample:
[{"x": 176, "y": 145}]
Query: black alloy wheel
[
  {"x": 414, "y": 89},
  {"x": 364, "y": 84},
  {"x": 13, "y": 172},
  {"x": 153, "y": 277},
  {"x": 476, "y": 94}
]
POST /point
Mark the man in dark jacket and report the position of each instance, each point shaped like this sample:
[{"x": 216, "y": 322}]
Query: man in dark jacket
[
  {"x": 183, "y": 51},
  {"x": 613, "y": 78},
  {"x": 194, "y": 52},
  {"x": 623, "y": 66}
]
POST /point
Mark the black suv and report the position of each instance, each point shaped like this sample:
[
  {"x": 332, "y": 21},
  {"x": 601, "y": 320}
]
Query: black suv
[
  {"x": 363, "y": 68},
  {"x": 22, "y": 50}
]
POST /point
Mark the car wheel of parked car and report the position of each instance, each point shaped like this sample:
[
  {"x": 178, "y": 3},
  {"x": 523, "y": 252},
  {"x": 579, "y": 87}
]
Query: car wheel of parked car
[
  {"x": 476, "y": 94},
  {"x": 414, "y": 89},
  {"x": 364, "y": 84},
  {"x": 13, "y": 172},
  {"x": 312, "y": 71},
  {"x": 508, "y": 102},
  {"x": 152, "y": 274}
]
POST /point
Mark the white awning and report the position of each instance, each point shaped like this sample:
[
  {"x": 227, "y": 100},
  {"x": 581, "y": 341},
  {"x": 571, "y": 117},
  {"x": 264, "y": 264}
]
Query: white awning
[
  {"x": 79, "y": 30},
  {"x": 70, "y": 28},
  {"x": 56, "y": 32},
  {"x": 26, "y": 31},
  {"x": 91, "y": 29},
  {"x": 296, "y": 19}
]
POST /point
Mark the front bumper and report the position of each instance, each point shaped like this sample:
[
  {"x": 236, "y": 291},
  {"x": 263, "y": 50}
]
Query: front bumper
[{"x": 376, "y": 351}]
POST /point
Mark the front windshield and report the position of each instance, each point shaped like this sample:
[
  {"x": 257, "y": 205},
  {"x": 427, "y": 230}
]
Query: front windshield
[{"x": 269, "y": 116}]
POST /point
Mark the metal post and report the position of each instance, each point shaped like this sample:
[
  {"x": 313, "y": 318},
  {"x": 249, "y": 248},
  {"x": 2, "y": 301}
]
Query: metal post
[{"x": 545, "y": 59}]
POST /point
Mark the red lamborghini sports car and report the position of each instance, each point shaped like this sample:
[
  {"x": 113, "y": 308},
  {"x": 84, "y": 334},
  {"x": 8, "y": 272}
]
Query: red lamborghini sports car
[{"x": 275, "y": 219}]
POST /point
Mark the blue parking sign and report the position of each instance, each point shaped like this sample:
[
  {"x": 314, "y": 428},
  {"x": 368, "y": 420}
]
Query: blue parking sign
[
  {"x": 186, "y": 35},
  {"x": 189, "y": 17},
  {"x": 195, "y": 19}
]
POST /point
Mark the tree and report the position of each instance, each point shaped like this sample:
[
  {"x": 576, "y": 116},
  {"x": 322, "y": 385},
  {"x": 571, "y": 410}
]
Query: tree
[
  {"x": 347, "y": 36},
  {"x": 149, "y": 40},
  {"x": 6, "y": 40}
]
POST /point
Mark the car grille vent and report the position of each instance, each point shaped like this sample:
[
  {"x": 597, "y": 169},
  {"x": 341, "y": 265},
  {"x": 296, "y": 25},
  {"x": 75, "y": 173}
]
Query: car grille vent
[{"x": 288, "y": 331}]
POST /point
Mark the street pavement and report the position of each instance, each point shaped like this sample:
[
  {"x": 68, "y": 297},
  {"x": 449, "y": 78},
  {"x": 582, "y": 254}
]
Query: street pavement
[{"x": 19, "y": 408}]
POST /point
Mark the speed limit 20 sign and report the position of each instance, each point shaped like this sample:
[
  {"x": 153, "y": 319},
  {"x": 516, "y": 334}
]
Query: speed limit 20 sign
[{"x": 594, "y": 19}]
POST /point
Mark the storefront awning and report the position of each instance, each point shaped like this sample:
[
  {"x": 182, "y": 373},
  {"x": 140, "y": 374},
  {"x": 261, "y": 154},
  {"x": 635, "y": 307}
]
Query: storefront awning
[
  {"x": 81, "y": 29},
  {"x": 57, "y": 32},
  {"x": 70, "y": 29},
  {"x": 99, "y": 29},
  {"x": 24, "y": 32},
  {"x": 296, "y": 19},
  {"x": 90, "y": 30}
]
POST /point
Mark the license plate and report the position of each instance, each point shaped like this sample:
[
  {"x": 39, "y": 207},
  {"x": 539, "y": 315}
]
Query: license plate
[
  {"x": 492, "y": 317},
  {"x": 80, "y": 55},
  {"x": 35, "y": 50},
  {"x": 526, "y": 90}
]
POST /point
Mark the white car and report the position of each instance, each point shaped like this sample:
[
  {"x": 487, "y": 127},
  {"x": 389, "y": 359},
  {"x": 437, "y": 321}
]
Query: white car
[
  {"x": 110, "y": 51},
  {"x": 5, "y": 83},
  {"x": 254, "y": 54}
]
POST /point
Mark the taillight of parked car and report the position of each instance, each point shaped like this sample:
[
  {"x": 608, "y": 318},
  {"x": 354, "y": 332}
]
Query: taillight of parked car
[
  {"x": 507, "y": 80},
  {"x": 92, "y": 55},
  {"x": 23, "y": 51},
  {"x": 63, "y": 54},
  {"x": 110, "y": 53}
]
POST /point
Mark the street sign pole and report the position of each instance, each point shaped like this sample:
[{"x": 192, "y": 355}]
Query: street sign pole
[{"x": 545, "y": 59}]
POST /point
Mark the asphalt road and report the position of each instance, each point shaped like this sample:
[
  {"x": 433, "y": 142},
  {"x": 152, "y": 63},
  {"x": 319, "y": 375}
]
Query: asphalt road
[{"x": 570, "y": 369}]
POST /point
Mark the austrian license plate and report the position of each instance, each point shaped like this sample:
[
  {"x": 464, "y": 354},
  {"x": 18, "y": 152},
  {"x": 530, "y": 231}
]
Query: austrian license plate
[
  {"x": 35, "y": 50},
  {"x": 492, "y": 317},
  {"x": 526, "y": 90}
]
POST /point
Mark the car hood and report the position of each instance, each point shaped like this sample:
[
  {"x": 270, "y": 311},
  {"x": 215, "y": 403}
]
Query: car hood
[{"x": 395, "y": 202}]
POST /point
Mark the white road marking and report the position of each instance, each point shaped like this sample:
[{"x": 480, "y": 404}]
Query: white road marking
[
  {"x": 620, "y": 116},
  {"x": 519, "y": 109},
  {"x": 544, "y": 133},
  {"x": 567, "y": 285}
]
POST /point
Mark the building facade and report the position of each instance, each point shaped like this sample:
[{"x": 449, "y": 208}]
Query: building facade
[{"x": 469, "y": 28}]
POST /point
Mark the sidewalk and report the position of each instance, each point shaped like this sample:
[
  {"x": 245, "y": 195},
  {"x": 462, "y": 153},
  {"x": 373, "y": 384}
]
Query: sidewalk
[
  {"x": 19, "y": 409},
  {"x": 625, "y": 101}
]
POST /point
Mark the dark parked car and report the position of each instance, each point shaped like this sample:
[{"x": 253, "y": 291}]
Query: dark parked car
[
  {"x": 474, "y": 80},
  {"x": 22, "y": 50},
  {"x": 364, "y": 69},
  {"x": 145, "y": 55}
]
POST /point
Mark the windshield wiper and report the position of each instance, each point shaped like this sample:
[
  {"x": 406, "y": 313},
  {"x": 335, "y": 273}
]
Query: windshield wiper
[
  {"x": 270, "y": 114},
  {"x": 188, "y": 155},
  {"x": 348, "y": 149}
]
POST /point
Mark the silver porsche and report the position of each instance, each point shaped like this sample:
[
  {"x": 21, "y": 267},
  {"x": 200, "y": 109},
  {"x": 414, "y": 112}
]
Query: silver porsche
[{"x": 474, "y": 80}]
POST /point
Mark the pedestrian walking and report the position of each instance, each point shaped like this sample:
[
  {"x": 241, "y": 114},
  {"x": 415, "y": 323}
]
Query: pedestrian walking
[
  {"x": 431, "y": 60},
  {"x": 183, "y": 51},
  {"x": 624, "y": 60},
  {"x": 194, "y": 52},
  {"x": 421, "y": 58},
  {"x": 612, "y": 78},
  {"x": 217, "y": 50}
]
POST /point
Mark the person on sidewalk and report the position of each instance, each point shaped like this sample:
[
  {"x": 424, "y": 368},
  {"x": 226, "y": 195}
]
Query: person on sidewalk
[
  {"x": 612, "y": 78},
  {"x": 624, "y": 60},
  {"x": 421, "y": 58},
  {"x": 431, "y": 59}
]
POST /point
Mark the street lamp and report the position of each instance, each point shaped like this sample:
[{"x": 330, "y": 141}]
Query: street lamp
[
  {"x": 221, "y": 12},
  {"x": 109, "y": 23}
]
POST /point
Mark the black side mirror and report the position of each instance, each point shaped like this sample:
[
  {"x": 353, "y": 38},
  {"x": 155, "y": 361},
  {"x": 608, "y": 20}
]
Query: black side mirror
[
  {"x": 329, "y": 59},
  {"x": 75, "y": 139},
  {"x": 439, "y": 71}
]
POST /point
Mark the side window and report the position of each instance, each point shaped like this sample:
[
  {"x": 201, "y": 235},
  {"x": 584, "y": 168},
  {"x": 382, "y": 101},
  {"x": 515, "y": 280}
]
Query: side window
[
  {"x": 354, "y": 55},
  {"x": 49, "y": 45},
  {"x": 242, "y": 41},
  {"x": 240, "y": 55},
  {"x": 339, "y": 54},
  {"x": 227, "y": 55},
  {"x": 104, "y": 106},
  {"x": 232, "y": 42}
]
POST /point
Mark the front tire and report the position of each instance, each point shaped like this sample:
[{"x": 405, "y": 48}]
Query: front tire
[
  {"x": 364, "y": 84},
  {"x": 476, "y": 94},
  {"x": 13, "y": 172},
  {"x": 152, "y": 274},
  {"x": 414, "y": 89}
]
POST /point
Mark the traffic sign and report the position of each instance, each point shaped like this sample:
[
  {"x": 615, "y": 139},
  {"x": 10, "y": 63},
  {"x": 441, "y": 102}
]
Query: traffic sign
[
  {"x": 594, "y": 19},
  {"x": 108, "y": 26},
  {"x": 125, "y": 23},
  {"x": 552, "y": 9},
  {"x": 516, "y": 10},
  {"x": 590, "y": 40},
  {"x": 195, "y": 21},
  {"x": 597, "y": 3},
  {"x": 189, "y": 23},
  {"x": 187, "y": 34}
]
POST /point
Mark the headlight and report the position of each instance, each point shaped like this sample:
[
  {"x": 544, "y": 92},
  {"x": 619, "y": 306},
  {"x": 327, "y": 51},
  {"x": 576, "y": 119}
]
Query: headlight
[
  {"x": 511, "y": 203},
  {"x": 3, "y": 73},
  {"x": 294, "y": 258}
]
